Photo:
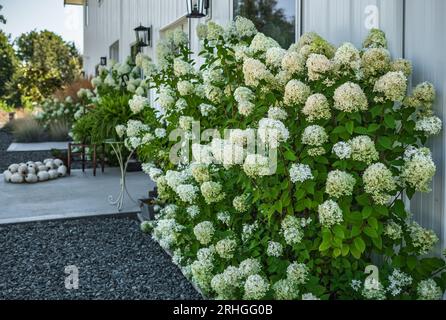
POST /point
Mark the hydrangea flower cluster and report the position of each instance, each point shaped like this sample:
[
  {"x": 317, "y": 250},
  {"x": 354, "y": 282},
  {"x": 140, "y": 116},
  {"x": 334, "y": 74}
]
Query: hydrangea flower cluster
[{"x": 338, "y": 119}]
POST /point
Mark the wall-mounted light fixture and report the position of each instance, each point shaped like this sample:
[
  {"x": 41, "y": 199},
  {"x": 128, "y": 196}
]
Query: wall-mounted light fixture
[
  {"x": 103, "y": 61},
  {"x": 197, "y": 8},
  {"x": 143, "y": 36}
]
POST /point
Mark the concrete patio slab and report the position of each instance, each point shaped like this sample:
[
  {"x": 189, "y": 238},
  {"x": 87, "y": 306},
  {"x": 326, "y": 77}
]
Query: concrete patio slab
[
  {"x": 80, "y": 195},
  {"x": 38, "y": 146}
]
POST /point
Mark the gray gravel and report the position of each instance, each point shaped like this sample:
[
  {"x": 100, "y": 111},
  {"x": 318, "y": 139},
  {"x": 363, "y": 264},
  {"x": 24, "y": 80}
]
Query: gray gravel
[
  {"x": 7, "y": 158},
  {"x": 115, "y": 261}
]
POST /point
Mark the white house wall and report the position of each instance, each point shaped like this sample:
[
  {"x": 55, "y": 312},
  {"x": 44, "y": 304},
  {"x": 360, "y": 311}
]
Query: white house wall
[{"x": 415, "y": 29}]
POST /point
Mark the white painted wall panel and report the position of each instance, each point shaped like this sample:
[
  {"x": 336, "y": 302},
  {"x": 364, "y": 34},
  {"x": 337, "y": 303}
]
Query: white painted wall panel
[
  {"x": 339, "y": 21},
  {"x": 426, "y": 46}
]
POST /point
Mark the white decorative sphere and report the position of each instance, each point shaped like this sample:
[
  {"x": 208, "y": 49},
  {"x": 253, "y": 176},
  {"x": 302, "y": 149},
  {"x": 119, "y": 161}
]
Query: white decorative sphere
[
  {"x": 43, "y": 176},
  {"x": 58, "y": 162},
  {"x": 13, "y": 168},
  {"x": 23, "y": 169},
  {"x": 42, "y": 168},
  {"x": 53, "y": 174},
  {"x": 62, "y": 171},
  {"x": 7, "y": 176},
  {"x": 17, "y": 178},
  {"x": 31, "y": 178}
]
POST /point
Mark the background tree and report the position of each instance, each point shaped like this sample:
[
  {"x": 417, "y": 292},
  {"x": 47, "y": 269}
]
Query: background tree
[
  {"x": 2, "y": 17},
  {"x": 8, "y": 63},
  {"x": 269, "y": 19},
  {"x": 47, "y": 63}
]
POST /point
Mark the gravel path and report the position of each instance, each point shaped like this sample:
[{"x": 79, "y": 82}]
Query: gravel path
[
  {"x": 115, "y": 261},
  {"x": 7, "y": 158}
]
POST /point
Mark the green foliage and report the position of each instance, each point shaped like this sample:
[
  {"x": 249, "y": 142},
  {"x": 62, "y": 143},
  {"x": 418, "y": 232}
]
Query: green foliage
[
  {"x": 47, "y": 63},
  {"x": 8, "y": 63}
]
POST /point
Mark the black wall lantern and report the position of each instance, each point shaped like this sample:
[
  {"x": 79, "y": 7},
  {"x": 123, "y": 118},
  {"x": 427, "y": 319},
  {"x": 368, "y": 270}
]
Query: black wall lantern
[
  {"x": 103, "y": 61},
  {"x": 143, "y": 36},
  {"x": 197, "y": 8}
]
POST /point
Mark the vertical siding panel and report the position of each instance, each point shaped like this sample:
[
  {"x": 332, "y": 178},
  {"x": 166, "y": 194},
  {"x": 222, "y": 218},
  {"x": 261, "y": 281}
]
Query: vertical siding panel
[
  {"x": 425, "y": 46},
  {"x": 343, "y": 20}
]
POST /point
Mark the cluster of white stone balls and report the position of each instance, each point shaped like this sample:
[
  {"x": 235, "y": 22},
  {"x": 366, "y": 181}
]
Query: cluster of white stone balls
[{"x": 32, "y": 172}]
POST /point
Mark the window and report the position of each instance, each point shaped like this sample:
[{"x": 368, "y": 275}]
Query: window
[
  {"x": 274, "y": 18},
  {"x": 114, "y": 51}
]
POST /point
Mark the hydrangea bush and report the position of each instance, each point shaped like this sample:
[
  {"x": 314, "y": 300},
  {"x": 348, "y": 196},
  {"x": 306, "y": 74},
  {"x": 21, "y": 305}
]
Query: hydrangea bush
[{"x": 349, "y": 136}]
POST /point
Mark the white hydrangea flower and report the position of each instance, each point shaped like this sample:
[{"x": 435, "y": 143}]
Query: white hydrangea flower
[
  {"x": 284, "y": 289},
  {"x": 212, "y": 192},
  {"x": 330, "y": 214},
  {"x": 378, "y": 182},
  {"x": 339, "y": 183},
  {"x": 160, "y": 133},
  {"x": 256, "y": 165},
  {"x": 226, "y": 248},
  {"x": 207, "y": 109},
  {"x": 318, "y": 66},
  {"x": 193, "y": 211},
  {"x": 309, "y": 296},
  {"x": 204, "y": 232},
  {"x": 240, "y": 203},
  {"x": 214, "y": 31},
  {"x": 373, "y": 289},
  {"x": 314, "y": 136},
  {"x": 226, "y": 283},
  {"x": 202, "y": 273},
  {"x": 166, "y": 98},
  {"x": 255, "y": 287},
  {"x": 431, "y": 126},
  {"x": 206, "y": 254},
  {"x": 274, "y": 57},
  {"x": 429, "y": 290},
  {"x": 202, "y": 154},
  {"x": 423, "y": 240},
  {"x": 375, "y": 62},
  {"x": 293, "y": 63},
  {"x": 135, "y": 128},
  {"x": 255, "y": 71},
  {"x": 392, "y": 85},
  {"x": 342, "y": 150},
  {"x": 249, "y": 267},
  {"x": 272, "y": 132},
  {"x": 349, "y": 97},
  {"x": 182, "y": 68},
  {"x": 261, "y": 43},
  {"x": 224, "y": 217},
  {"x": 291, "y": 230},
  {"x": 187, "y": 192},
  {"x": 347, "y": 58},
  {"x": 393, "y": 230},
  {"x": 227, "y": 153},
  {"x": 138, "y": 103},
  {"x": 300, "y": 173},
  {"x": 363, "y": 149},
  {"x": 120, "y": 130},
  {"x": 241, "y": 137},
  {"x": 423, "y": 96},
  {"x": 418, "y": 169},
  {"x": 185, "y": 88},
  {"x": 297, "y": 273},
  {"x": 248, "y": 230},
  {"x": 296, "y": 93},
  {"x": 277, "y": 113},
  {"x": 274, "y": 249},
  {"x": 316, "y": 108},
  {"x": 185, "y": 123},
  {"x": 245, "y": 27},
  {"x": 398, "y": 280}
]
